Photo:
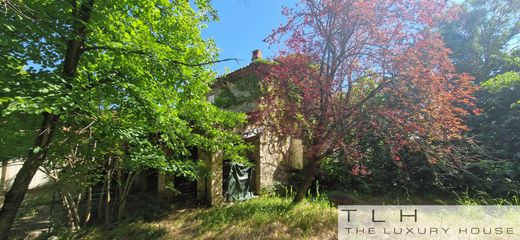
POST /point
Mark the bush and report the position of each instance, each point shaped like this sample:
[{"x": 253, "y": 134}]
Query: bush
[{"x": 413, "y": 173}]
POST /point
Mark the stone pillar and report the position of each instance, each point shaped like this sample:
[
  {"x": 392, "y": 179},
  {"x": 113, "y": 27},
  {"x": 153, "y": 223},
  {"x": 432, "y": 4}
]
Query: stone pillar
[
  {"x": 165, "y": 194},
  {"x": 209, "y": 188},
  {"x": 3, "y": 178},
  {"x": 296, "y": 154}
]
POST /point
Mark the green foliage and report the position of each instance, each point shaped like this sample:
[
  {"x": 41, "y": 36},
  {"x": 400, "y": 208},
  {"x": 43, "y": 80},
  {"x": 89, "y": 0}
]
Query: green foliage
[
  {"x": 480, "y": 37},
  {"x": 127, "y": 80},
  {"x": 225, "y": 98},
  {"x": 142, "y": 72},
  {"x": 502, "y": 81},
  {"x": 243, "y": 91},
  {"x": 484, "y": 44},
  {"x": 498, "y": 127},
  {"x": 411, "y": 174},
  {"x": 17, "y": 133},
  {"x": 465, "y": 169}
]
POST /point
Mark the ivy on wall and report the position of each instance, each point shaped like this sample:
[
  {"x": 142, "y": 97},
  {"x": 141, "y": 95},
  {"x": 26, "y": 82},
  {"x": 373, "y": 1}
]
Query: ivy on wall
[{"x": 245, "y": 90}]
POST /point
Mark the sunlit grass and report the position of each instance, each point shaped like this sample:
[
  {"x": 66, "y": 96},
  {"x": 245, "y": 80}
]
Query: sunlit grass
[
  {"x": 266, "y": 217},
  {"x": 482, "y": 198},
  {"x": 304, "y": 218}
]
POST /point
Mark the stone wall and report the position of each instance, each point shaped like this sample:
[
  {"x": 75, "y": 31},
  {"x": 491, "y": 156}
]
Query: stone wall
[
  {"x": 274, "y": 157},
  {"x": 163, "y": 181},
  {"x": 209, "y": 188},
  {"x": 296, "y": 160},
  {"x": 272, "y": 166}
]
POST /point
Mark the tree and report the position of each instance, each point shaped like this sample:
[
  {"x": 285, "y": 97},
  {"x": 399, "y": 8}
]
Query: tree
[
  {"x": 16, "y": 134},
  {"x": 498, "y": 127},
  {"x": 348, "y": 59},
  {"x": 483, "y": 36},
  {"x": 484, "y": 41},
  {"x": 140, "y": 62}
]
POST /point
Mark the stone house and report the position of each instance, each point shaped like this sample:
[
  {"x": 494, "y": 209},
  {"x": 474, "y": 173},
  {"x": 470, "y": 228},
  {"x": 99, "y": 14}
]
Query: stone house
[{"x": 274, "y": 157}]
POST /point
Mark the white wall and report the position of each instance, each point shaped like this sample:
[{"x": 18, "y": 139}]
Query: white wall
[{"x": 9, "y": 171}]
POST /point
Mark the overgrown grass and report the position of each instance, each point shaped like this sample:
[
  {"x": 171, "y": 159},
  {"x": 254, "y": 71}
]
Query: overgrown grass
[
  {"x": 482, "y": 198},
  {"x": 266, "y": 217},
  {"x": 303, "y": 219},
  {"x": 392, "y": 198},
  {"x": 129, "y": 230}
]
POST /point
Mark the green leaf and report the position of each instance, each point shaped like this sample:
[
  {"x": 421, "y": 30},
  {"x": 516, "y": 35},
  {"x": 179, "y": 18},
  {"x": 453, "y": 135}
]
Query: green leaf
[
  {"x": 43, "y": 90},
  {"x": 36, "y": 150}
]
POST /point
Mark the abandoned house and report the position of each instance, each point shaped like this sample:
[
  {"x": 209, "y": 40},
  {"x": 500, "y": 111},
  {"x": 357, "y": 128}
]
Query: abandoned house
[{"x": 274, "y": 157}]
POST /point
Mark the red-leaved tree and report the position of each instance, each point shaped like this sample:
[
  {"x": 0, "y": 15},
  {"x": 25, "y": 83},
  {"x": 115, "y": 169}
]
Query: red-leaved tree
[{"x": 352, "y": 66}]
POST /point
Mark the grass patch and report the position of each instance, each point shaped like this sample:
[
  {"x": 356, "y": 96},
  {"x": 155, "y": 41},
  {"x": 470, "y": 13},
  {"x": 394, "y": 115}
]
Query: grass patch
[
  {"x": 281, "y": 217},
  {"x": 391, "y": 198},
  {"x": 265, "y": 217},
  {"x": 482, "y": 198},
  {"x": 132, "y": 230}
]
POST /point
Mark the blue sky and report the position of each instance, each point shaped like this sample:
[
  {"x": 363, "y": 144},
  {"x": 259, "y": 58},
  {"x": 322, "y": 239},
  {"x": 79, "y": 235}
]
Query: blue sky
[{"x": 242, "y": 27}]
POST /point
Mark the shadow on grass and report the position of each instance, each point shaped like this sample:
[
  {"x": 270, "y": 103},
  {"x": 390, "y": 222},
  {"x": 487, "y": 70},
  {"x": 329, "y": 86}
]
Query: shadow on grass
[
  {"x": 33, "y": 215},
  {"x": 135, "y": 230}
]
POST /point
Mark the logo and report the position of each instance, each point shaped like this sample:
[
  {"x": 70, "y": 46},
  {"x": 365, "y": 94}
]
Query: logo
[{"x": 428, "y": 222}]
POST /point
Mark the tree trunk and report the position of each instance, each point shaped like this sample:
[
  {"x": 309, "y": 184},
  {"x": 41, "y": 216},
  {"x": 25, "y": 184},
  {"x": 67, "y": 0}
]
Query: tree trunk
[
  {"x": 310, "y": 173},
  {"x": 101, "y": 201},
  {"x": 70, "y": 207},
  {"x": 123, "y": 197},
  {"x": 107, "y": 201},
  {"x": 104, "y": 189},
  {"x": 35, "y": 158},
  {"x": 89, "y": 207}
]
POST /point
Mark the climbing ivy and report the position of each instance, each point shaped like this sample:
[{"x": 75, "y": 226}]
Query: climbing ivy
[{"x": 246, "y": 90}]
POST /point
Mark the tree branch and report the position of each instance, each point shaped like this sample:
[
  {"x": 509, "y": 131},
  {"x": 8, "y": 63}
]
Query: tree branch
[
  {"x": 204, "y": 63},
  {"x": 138, "y": 51},
  {"x": 115, "y": 49}
]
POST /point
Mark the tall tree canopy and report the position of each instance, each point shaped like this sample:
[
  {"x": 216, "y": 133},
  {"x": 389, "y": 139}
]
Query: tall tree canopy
[
  {"x": 485, "y": 42},
  {"x": 140, "y": 64},
  {"x": 351, "y": 66},
  {"x": 482, "y": 37}
]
